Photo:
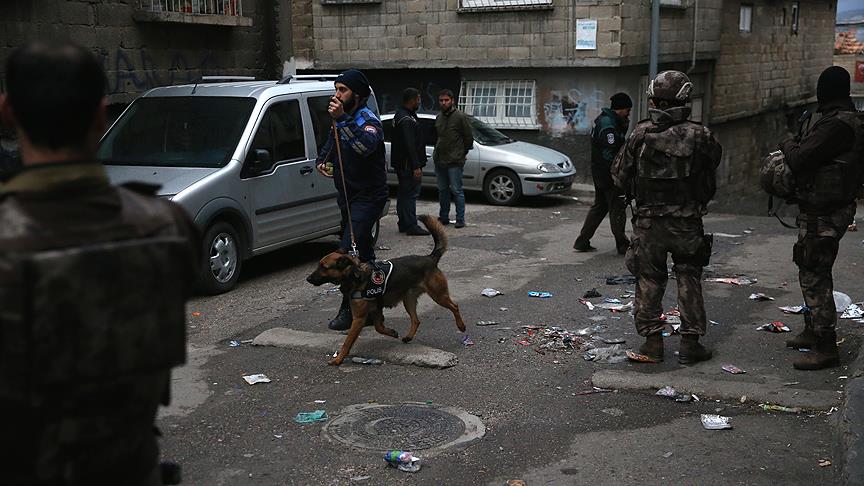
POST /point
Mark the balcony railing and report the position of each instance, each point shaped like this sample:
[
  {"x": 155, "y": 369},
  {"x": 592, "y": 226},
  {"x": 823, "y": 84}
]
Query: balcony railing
[
  {"x": 233, "y": 8},
  {"x": 218, "y": 12}
]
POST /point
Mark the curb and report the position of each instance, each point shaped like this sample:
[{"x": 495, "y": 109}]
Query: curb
[{"x": 849, "y": 433}]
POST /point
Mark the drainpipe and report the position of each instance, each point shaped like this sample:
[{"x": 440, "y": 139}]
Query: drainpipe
[
  {"x": 655, "y": 39},
  {"x": 695, "y": 30}
]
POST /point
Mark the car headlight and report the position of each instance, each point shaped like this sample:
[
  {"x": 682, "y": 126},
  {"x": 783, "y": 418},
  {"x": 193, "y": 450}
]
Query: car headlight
[{"x": 547, "y": 168}]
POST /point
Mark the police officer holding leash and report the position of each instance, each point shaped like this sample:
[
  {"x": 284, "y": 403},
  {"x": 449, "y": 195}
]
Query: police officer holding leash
[
  {"x": 826, "y": 165},
  {"x": 668, "y": 166},
  {"x": 356, "y": 164},
  {"x": 93, "y": 284}
]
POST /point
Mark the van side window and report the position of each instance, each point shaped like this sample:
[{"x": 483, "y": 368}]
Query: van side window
[
  {"x": 280, "y": 133},
  {"x": 321, "y": 120}
]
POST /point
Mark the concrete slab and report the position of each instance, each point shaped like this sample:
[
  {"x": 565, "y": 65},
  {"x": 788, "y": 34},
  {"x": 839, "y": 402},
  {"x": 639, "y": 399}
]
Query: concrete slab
[
  {"x": 764, "y": 391},
  {"x": 369, "y": 346}
]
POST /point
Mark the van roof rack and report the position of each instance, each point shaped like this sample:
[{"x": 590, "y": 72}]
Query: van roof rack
[
  {"x": 219, "y": 79},
  {"x": 307, "y": 77}
]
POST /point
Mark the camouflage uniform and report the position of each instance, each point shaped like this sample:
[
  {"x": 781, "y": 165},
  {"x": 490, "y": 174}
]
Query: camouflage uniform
[
  {"x": 93, "y": 282},
  {"x": 822, "y": 223},
  {"x": 668, "y": 167}
]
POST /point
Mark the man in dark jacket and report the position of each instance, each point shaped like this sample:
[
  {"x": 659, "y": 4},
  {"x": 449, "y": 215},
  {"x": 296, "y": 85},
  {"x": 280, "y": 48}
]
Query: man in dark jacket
[
  {"x": 827, "y": 158},
  {"x": 607, "y": 137},
  {"x": 93, "y": 284},
  {"x": 455, "y": 139},
  {"x": 408, "y": 157},
  {"x": 365, "y": 193}
]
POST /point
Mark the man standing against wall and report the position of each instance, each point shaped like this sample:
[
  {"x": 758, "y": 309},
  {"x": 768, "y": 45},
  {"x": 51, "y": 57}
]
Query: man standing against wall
[
  {"x": 607, "y": 137},
  {"x": 826, "y": 163},
  {"x": 455, "y": 139},
  {"x": 408, "y": 157},
  {"x": 364, "y": 193},
  {"x": 669, "y": 167}
]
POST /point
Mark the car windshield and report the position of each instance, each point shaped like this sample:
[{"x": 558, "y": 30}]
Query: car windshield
[
  {"x": 486, "y": 135},
  {"x": 177, "y": 131}
]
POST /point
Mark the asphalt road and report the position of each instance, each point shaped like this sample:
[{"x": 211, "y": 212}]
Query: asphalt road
[{"x": 538, "y": 426}]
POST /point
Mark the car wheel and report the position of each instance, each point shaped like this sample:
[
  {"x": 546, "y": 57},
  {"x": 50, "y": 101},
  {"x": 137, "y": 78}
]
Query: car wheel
[
  {"x": 502, "y": 187},
  {"x": 222, "y": 259}
]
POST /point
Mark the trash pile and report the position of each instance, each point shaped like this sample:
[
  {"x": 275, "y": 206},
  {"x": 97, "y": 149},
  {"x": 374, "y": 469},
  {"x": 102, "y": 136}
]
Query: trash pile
[{"x": 552, "y": 339}]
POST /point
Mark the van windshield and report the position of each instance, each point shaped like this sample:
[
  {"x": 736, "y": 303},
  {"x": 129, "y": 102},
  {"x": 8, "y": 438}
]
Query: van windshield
[
  {"x": 194, "y": 131},
  {"x": 486, "y": 135}
]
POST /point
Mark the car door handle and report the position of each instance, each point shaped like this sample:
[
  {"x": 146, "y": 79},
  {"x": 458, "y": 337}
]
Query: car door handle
[{"x": 305, "y": 170}]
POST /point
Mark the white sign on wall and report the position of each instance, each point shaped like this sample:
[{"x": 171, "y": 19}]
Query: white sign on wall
[{"x": 586, "y": 34}]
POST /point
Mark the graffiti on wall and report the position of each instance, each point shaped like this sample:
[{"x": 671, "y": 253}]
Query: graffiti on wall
[
  {"x": 138, "y": 72},
  {"x": 571, "y": 111}
]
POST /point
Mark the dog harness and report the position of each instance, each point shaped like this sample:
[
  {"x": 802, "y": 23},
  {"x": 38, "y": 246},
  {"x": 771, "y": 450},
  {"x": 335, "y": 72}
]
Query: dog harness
[{"x": 377, "y": 283}]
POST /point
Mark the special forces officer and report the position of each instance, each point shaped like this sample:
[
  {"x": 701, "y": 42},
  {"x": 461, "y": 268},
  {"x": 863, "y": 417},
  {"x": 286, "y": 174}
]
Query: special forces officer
[
  {"x": 827, "y": 166},
  {"x": 668, "y": 166},
  {"x": 93, "y": 284},
  {"x": 607, "y": 137},
  {"x": 364, "y": 193}
]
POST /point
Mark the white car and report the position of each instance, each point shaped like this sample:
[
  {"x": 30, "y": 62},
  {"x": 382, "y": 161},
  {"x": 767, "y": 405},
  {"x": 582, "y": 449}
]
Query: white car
[{"x": 503, "y": 168}]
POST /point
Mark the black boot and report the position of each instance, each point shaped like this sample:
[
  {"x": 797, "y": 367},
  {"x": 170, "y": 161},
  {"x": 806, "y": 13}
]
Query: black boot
[
  {"x": 824, "y": 353},
  {"x": 691, "y": 351},
  {"x": 806, "y": 338},
  {"x": 653, "y": 347},
  {"x": 342, "y": 321}
]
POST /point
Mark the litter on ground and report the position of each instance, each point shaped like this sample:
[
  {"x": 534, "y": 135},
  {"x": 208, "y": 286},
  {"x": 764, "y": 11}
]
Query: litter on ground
[
  {"x": 775, "y": 326},
  {"x": 366, "y": 361},
  {"x": 760, "y": 297},
  {"x": 715, "y": 422},
  {"x": 402, "y": 460},
  {"x": 591, "y": 294},
  {"x": 640, "y": 358},
  {"x": 733, "y": 280},
  {"x": 310, "y": 417},
  {"x": 257, "y": 378},
  {"x": 793, "y": 309},
  {"x": 854, "y": 311},
  {"x": 733, "y": 369},
  {"x": 539, "y": 294},
  {"x": 491, "y": 292},
  {"x": 621, "y": 280}
]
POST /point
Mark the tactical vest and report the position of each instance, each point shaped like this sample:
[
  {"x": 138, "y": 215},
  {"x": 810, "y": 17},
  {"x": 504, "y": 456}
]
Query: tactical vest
[
  {"x": 838, "y": 182},
  {"x": 89, "y": 336},
  {"x": 668, "y": 171}
]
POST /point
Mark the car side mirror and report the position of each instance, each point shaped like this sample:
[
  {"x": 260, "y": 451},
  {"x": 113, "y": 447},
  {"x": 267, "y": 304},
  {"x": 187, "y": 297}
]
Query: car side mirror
[{"x": 262, "y": 160}]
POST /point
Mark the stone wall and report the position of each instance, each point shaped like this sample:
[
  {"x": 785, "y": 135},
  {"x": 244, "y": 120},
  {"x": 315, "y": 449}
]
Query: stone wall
[
  {"x": 770, "y": 67},
  {"x": 141, "y": 55},
  {"x": 676, "y": 31},
  {"x": 437, "y": 33}
]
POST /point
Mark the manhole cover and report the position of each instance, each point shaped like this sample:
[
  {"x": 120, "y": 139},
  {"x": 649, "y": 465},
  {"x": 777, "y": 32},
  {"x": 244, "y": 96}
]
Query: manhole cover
[{"x": 409, "y": 426}]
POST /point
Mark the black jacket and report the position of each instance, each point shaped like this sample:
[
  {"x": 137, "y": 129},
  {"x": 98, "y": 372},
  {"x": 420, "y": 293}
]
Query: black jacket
[
  {"x": 825, "y": 140},
  {"x": 607, "y": 137},
  {"x": 408, "y": 149}
]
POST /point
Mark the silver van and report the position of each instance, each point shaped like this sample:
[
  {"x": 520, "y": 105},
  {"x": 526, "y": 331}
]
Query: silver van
[
  {"x": 239, "y": 157},
  {"x": 501, "y": 168}
]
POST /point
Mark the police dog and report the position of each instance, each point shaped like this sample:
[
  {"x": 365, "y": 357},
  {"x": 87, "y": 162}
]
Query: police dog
[{"x": 411, "y": 277}]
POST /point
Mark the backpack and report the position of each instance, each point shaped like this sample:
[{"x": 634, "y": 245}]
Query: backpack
[{"x": 776, "y": 178}]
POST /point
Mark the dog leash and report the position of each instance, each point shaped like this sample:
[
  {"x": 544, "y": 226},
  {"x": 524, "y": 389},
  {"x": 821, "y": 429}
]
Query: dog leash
[{"x": 336, "y": 141}]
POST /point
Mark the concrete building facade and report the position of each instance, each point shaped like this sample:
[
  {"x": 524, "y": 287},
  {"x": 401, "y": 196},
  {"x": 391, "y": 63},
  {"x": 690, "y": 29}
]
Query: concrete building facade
[
  {"x": 543, "y": 69},
  {"x": 144, "y": 43}
]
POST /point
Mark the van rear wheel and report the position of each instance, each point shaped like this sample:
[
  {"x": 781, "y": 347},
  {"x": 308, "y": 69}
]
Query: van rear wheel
[{"x": 222, "y": 259}]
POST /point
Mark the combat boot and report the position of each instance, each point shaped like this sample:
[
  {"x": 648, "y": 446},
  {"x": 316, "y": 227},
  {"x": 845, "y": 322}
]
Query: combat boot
[
  {"x": 653, "y": 347},
  {"x": 691, "y": 351},
  {"x": 823, "y": 354},
  {"x": 806, "y": 338},
  {"x": 342, "y": 321}
]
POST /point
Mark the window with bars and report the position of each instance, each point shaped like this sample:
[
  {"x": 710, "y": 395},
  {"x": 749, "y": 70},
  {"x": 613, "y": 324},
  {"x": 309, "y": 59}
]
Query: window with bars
[
  {"x": 232, "y": 8},
  {"x": 501, "y": 104},
  {"x": 481, "y": 5}
]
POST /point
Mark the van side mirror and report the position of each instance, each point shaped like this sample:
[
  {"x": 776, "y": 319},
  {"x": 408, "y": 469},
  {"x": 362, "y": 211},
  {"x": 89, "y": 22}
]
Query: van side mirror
[{"x": 262, "y": 160}]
